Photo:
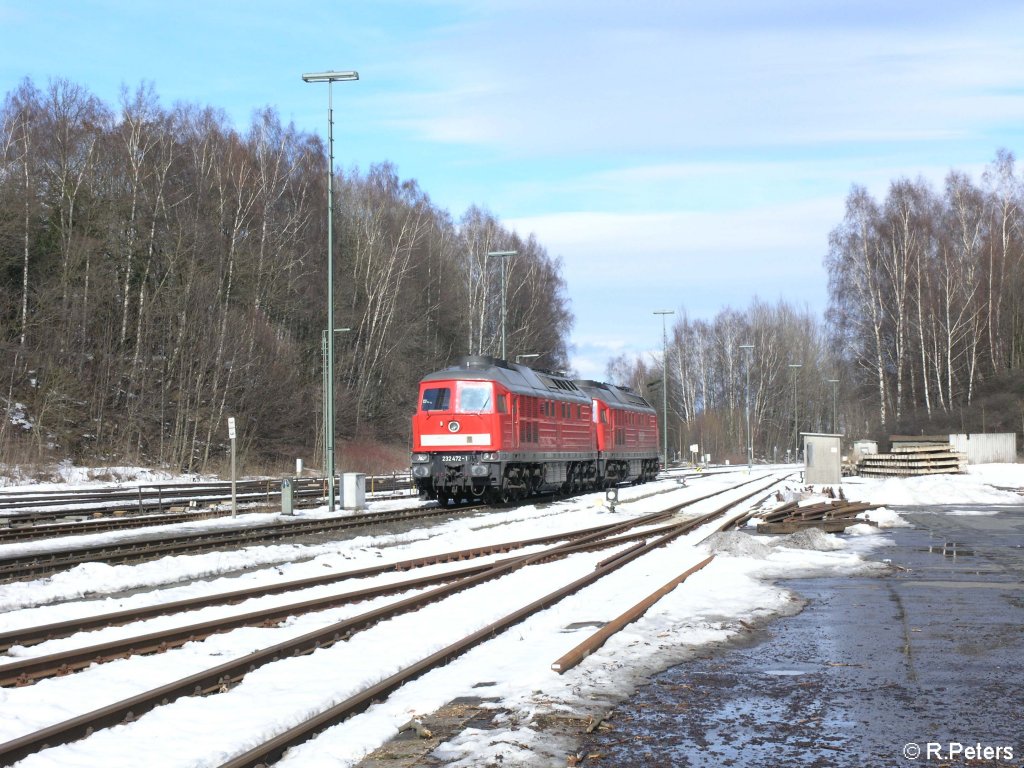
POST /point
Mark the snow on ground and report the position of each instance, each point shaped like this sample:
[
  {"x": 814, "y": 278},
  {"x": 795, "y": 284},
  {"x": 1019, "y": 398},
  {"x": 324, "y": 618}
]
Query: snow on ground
[
  {"x": 738, "y": 586},
  {"x": 1003, "y": 475},
  {"x": 973, "y": 487},
  {"x": 66, "y": 474}
]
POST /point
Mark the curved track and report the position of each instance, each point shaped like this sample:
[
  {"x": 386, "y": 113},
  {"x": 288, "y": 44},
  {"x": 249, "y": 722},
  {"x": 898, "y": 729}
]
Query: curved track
[
  {"x": 651, "y": 536},
  {"x": 46, "y": 562}
]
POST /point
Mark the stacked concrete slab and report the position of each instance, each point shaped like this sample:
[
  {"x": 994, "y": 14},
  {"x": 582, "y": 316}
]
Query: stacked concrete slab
[{"x": 914, "y": 455}]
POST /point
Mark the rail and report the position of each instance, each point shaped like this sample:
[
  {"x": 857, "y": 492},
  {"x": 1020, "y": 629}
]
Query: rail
[{"x": 224, "y": 676}]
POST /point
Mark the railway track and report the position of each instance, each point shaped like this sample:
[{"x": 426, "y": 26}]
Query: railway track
[
  {"x": 104, "y": 525},
  {"x": 272, "y": 750},
  {"x": 29, "y": 670},
  {"x": 653, "y": 532},
  {"x": 54, "y": 560},
  {"x": 50, "y": 561},
  {"x": 31, "y": 507}
]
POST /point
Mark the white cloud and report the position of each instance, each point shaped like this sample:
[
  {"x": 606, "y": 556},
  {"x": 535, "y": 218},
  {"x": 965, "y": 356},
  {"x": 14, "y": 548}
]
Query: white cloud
[
  {"x": 598, "y": 238},
  {"x": 580, "y": 79}
]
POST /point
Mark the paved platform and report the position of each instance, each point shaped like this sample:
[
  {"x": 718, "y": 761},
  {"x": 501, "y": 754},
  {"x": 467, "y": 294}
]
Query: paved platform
[{"x": 921, "y": 668}]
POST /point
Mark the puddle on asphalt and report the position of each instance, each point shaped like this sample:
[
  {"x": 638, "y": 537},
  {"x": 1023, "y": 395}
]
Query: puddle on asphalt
[{"x": 949, "y": 549}]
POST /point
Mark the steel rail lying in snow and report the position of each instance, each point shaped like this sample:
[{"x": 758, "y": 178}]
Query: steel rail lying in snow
[
  {"x": 28, "y": 670},
  {"x": 16, "y": 506},
  {"x": 220, "y": 678},
  {"x": 27, "y": 636},
  {"x": 39, "y": 564},
  {"x": 573, "y": 657},
  {"x": 48, "y": 530},
  {"x": 52, "y": 561},
  {"x": 272, "y": 750}
]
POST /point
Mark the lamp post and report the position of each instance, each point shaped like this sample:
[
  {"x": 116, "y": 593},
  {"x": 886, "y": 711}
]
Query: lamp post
[
  {"x": 502, "y": 255},
  {"x": 750, "y": 437},
  {"x": 796, "y": 434},
  {"x": 326, "y": 382},
  {"x": 330, "y": 78},
  {"x": 835, "y": 421},
  {"x": 664, "y": 385}
]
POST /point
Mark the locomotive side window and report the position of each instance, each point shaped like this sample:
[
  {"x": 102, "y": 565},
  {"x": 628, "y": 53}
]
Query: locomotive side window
[
  {"x": 474, "y": 397},
  {"x": 436, "y": 399},
  {"x": 502, "y": 403}
]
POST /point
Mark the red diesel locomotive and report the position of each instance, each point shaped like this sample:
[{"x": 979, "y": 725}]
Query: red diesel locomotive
[{"x": 494, "y": 431}]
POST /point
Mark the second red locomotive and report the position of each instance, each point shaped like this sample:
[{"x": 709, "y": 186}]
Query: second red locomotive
[{"x": 495, "y": 431}]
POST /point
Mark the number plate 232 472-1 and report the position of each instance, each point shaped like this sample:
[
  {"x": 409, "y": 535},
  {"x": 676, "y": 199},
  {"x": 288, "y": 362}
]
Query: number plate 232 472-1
[{"x": 453, "y": 458}]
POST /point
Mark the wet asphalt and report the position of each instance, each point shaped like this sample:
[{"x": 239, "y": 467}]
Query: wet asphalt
[{"x": 923, "y": 667}]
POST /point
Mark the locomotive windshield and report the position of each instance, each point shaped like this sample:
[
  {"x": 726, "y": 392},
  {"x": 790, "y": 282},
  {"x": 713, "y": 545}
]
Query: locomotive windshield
[
  {"x": 474, "y": 397},
  {"x": 436, "y": 399}
]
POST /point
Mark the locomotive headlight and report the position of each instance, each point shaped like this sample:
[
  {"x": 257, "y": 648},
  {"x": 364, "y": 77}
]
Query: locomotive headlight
[
  {"x": 416, "y": 457},
  {"x": 421, "y": 471},
  {"x": 479, "y": 470},
  {"x": 488, "y": 457}
]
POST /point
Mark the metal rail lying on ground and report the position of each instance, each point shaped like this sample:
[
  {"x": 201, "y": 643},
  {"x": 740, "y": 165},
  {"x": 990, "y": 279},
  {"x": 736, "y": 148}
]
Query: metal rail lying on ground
[
  {"x": 29, "y": 506},
  {"x": 52, "y": 561},
  {"x": 220, "y": 678},
  {"x": 25, "y": 671},
  {"x": 272, "y": 750},
  {"x": 571, "y": 658}
]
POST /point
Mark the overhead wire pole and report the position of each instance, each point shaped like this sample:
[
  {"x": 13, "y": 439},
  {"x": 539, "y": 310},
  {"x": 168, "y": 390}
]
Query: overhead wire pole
[
  {"x": 750, "y": 438},
  {"x": 796, "y": 432},
  {"x": 664, "y": 385},
  {"x": 503, "y": 255},
  {"x": 330, "y": 78}
]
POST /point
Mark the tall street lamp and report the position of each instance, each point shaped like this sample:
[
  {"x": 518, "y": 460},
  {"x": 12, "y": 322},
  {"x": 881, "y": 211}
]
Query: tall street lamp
[
  {"x": 796, "y": 433},
  {"x": 502, "y": 255},
  {"x": 750, "y": 437},
  {"x": 326, "y": 381},
  {"x": 330, "y": 78},
  {"x": 664, "y": 385},
  {"x": 835, "y": 421}
]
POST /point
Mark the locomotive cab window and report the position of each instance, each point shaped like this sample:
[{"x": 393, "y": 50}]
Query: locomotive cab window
[
  {"x": 475, "y": 397},
  {"x": 436, "y": 399}
]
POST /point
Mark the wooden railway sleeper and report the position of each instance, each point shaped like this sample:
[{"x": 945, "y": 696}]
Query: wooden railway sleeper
[
  {"x": 208, "y": 680},
  {"x": 62, "y": 733}
]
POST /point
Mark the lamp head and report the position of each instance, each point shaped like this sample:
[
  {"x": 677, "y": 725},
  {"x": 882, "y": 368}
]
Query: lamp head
[{"x": 330, "y": 77}]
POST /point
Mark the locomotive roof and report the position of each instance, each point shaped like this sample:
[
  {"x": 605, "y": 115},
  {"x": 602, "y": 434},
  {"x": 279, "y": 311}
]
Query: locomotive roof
[
  {"x": 623, "y": 397},
  {"x": 516, "y": 378},
  {"x": 522, "y": 380}
]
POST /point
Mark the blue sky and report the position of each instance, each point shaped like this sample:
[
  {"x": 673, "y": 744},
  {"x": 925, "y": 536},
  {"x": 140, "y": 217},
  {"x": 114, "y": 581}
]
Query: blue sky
[{"x": 675, "y": 155}]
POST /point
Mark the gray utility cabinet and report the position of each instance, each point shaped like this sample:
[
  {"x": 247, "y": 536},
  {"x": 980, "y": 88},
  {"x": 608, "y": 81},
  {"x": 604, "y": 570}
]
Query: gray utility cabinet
[{"x": 823, "y": 458}]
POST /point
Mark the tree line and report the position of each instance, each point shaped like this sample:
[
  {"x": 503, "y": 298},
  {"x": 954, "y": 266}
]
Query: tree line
[
  {"x": 924, "y": 331},
  {"x": 161, "y": 270},
  {"x": 926, "y": 291}
]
